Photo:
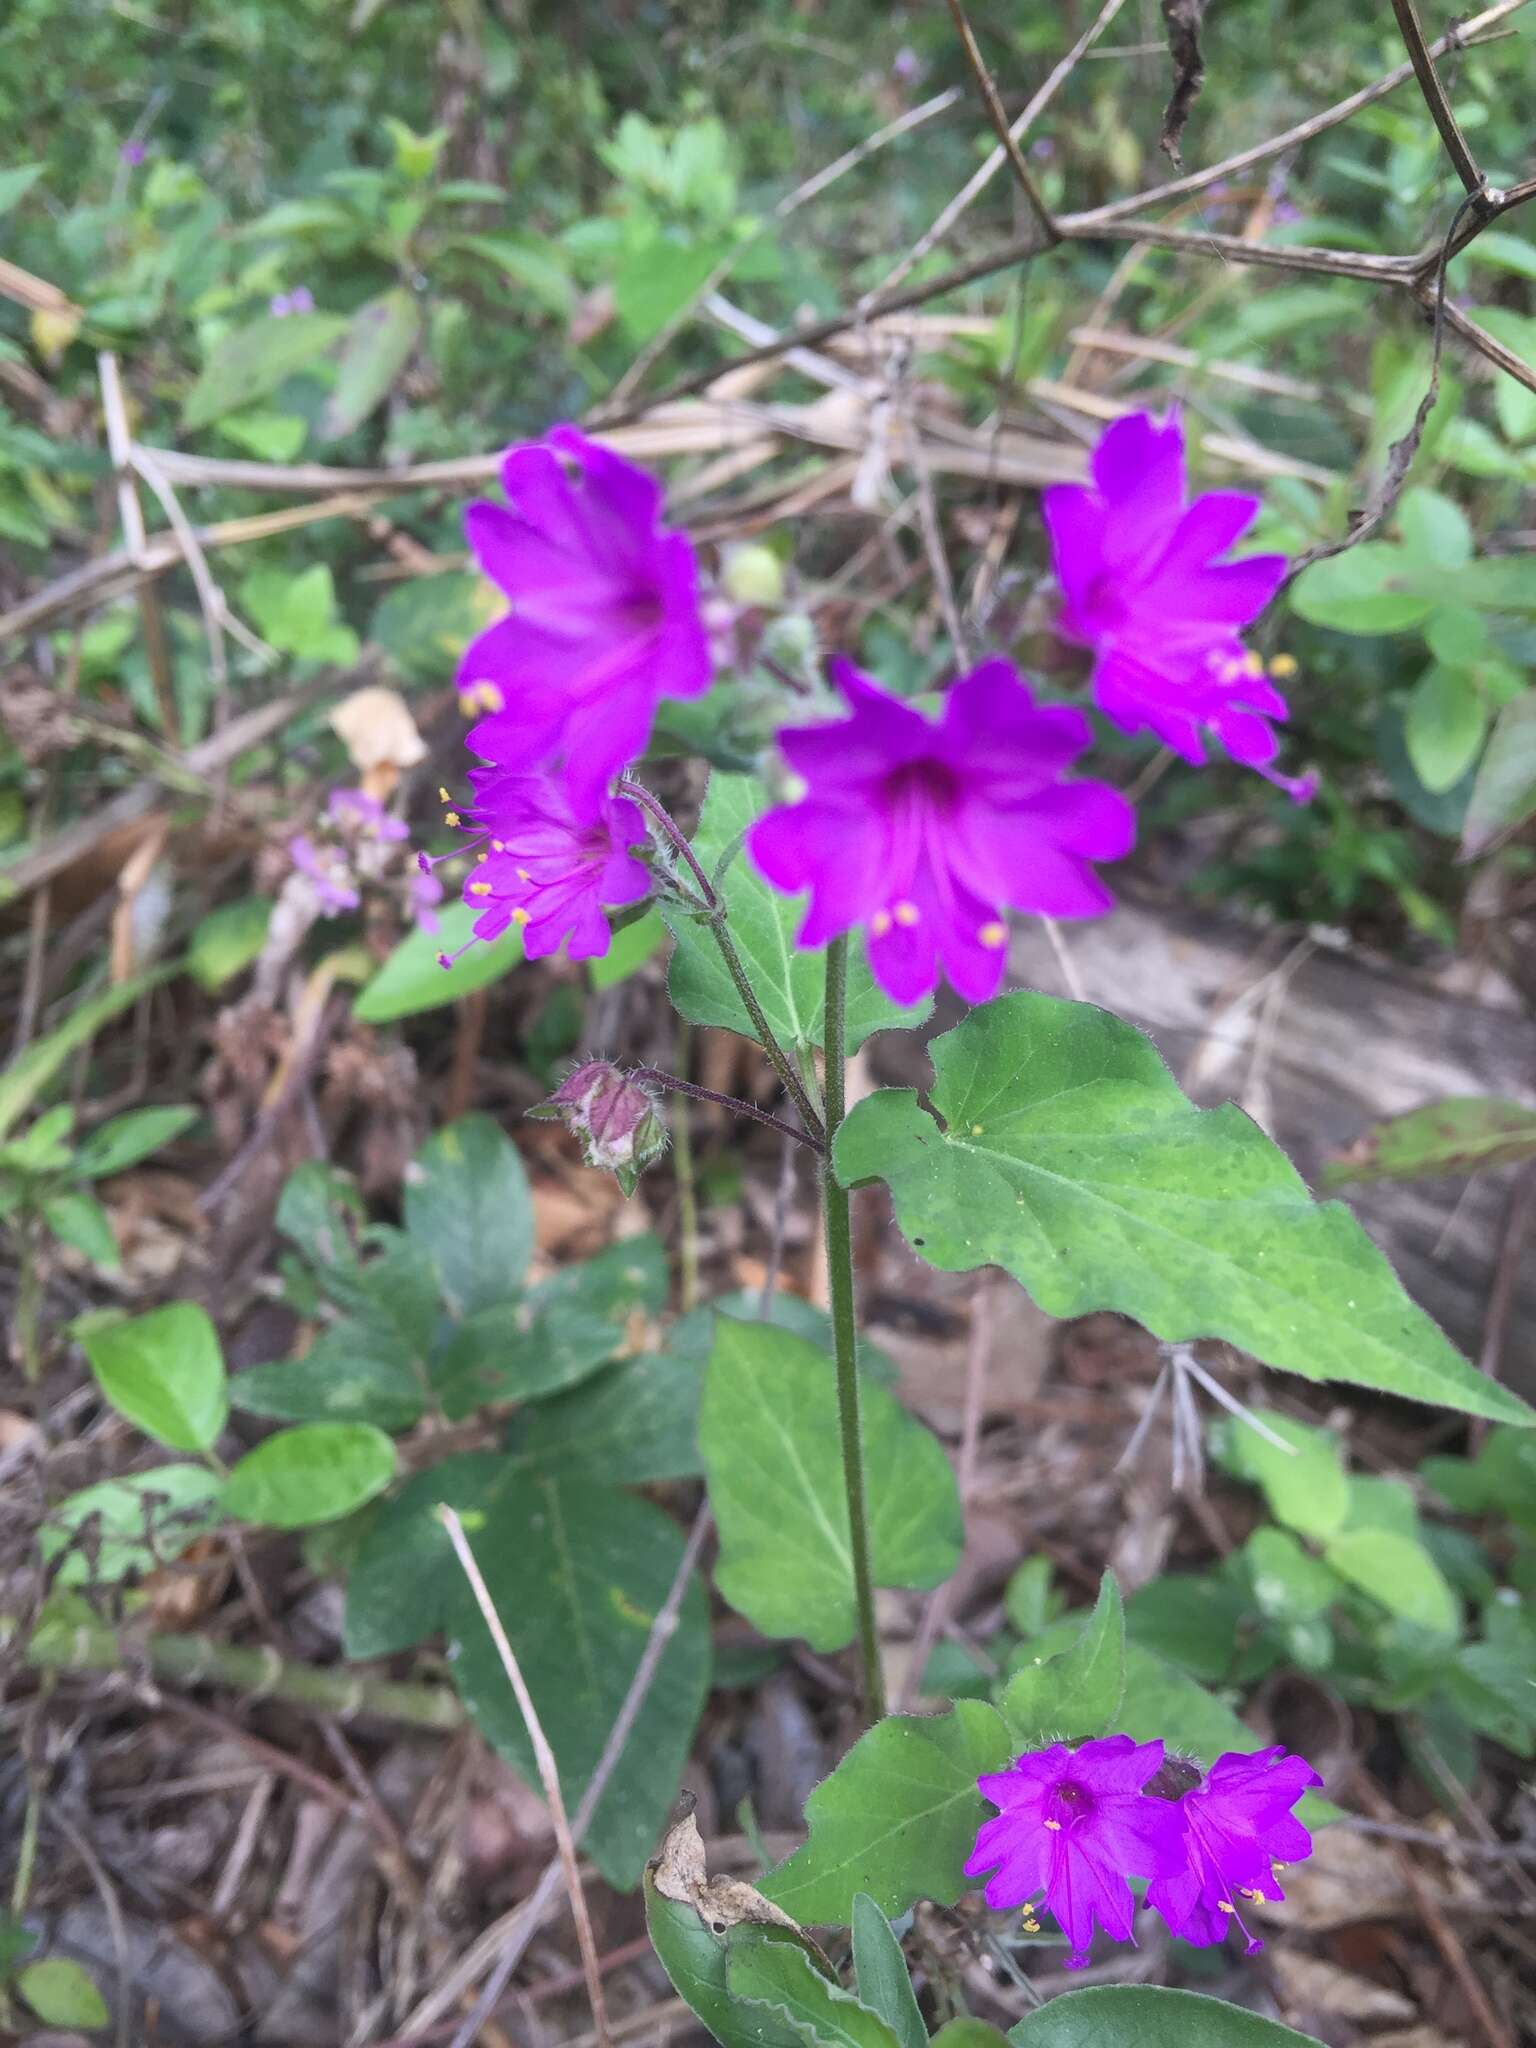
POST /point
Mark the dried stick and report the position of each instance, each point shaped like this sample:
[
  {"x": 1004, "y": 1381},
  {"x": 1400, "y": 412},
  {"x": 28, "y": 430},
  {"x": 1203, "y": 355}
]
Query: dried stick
[
  {"x": 505, "y": 1940},
  {"x": 979, "y": 179},
  {"x": 1434, "y": 98},
  {"x": 120, "y": 448},
  {"x": 549, "y": 1773},
  {"x": 998, "y": 116}
]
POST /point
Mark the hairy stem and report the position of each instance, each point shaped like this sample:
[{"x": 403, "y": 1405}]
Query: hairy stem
[
  {"x": 845, "y": 1332},
  {"x": 677, "y": 1086},
  {"x": 675, "y": 836}
]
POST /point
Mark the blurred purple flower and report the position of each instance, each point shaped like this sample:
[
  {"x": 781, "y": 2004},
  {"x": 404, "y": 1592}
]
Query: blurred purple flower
[
  {"x": 280, "y": 306},
  {"x": 363, "y": 814},
  {"x": 132, "y": 154},
  {"x": 299, "y": 300},
  {"x": 542, "y": 868},
  {"x": 1144, "y": 589},
  {"x": 426, "y": 894},
  {"x": 1285, "y": 213},
  {"x": 1042, "y": 149},
  {"x": 1074, "y": 1824},
  {"x": 605, "y": 615},
  {"x": 1237, "y": 1823},
  {"x": 926, "y": 833},
  {"x": 326, "y": 867},
  {"x": 907, "y": 65}
]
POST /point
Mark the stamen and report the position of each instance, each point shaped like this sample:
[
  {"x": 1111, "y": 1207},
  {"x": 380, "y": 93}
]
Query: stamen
[
  {"x": 442, "y": 795},
  {"x": 1283, "y": 665},
  {"x": 906, "y": 913},
  {"x": 1299, "y": 788},
  {"x": 479, "y": 888},
  {"x": 1054, "y": 1826},
  {"x": 880, "y": 923},
  {"x": 452, "y": 818},
  {"x": 993, "y": 936},
  {"x": 521, "y": 916},
  {"x": 523, "y": 875}
]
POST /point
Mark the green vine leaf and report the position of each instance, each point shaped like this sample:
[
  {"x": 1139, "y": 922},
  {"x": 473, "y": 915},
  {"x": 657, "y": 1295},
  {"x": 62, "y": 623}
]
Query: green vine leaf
[
  {"x": 1063, "y": 1150},
  {"x": 1148, "y": 2016},
  {"x": 1078, "y": 1692},
  {"x": 761, "y": 1970},
  {"x": 696, "y": 1963},
  {"x": 897, "y": 1818},
  {"x": 768, "y": 1432},
  {"x": 881, "y": 1970}
]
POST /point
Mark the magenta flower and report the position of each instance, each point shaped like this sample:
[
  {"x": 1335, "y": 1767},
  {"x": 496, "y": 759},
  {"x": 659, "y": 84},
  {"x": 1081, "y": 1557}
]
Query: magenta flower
[
  {"x": 926, "y": 833},
  {"x": 1145, "y": 590},
  {"x": 543, "y": 869},
  {"x": 1074, "y": 1824},
  {"x": 356, "y": 812},
  {"x": 604, "y": 621},
  {"x": 1237, "y": 1824}
]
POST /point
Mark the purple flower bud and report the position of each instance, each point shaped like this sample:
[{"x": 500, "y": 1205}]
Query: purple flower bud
[
  {"x": 301, "y": 301},
  {"x": 613, "y": 1115},
  {"x": 132, "y": 154},
  {"x": 280, "y": 306},
  {"x": 326, "y": 867}
]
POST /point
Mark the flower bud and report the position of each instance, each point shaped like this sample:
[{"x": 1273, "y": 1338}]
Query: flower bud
[
  {"x": 752, "y": 574},
  {"x": 614, "y": 1116}
]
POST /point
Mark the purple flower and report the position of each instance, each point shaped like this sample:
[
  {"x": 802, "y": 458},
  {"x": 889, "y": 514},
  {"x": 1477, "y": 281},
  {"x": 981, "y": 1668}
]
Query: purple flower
[
  {"x": 1143, "y": 587},
  {"x": 925, "y": 833},
  {"x": 1286, "y": 213},
  {"x": 132, "y": 154},
  {"x": 426, "y": 894},
  {"x": 280, "y": 306},
  {"x": 1074, "y": 1824},
  {"x": 1237, "y": 1823},
  {"x": 356, "y": 811},
  {"x": 302, "y": 300},
  {"x": 1042, "y": 149},
  {"x": 326, "y": 867},
  {"x": 542, "y": 868},
  {"x": 604, "y": 621}
]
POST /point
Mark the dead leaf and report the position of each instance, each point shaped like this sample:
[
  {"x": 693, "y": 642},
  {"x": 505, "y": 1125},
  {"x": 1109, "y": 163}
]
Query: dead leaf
[
  {"x": 1311, "y": 1986},
  {"x": 678, "y": 1872},
  {"x": 1183, "y": 19},
  {"x": 375, "y": 726}
]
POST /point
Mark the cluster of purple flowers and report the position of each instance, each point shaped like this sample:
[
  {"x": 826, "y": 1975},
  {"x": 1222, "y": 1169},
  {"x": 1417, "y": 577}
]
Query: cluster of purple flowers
[
  {"x": 348, "y": 849},
  {"x": 922, "y": 832},
  {"x": 300, "y": 300},
  {"x": 1073, "y": 1825}
]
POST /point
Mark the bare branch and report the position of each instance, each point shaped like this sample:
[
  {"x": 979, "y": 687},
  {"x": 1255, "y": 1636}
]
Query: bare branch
[
  {"x": 1456, "y": 144},
  {"x": 1183, "y": 19},
  {"x": 997, "y": 115}
]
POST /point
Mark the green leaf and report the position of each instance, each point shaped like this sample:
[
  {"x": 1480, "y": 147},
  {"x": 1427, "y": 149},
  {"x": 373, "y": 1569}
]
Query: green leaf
[
  {"x": 1289, "y": 1584},
  {"x": 298, "y": 613},
  {"x": 1028, "y": 1598},
  {"x": 969, "y": 2033},
  {"x": 658, "y": 279},
  {"x": 378, "y": 346},
  {"x": 413, "y": 979},
  {"x": 537, "y": 265},
  {"x": 42, "y": 1147},
  {"x": 1370, "y": 588},
  {"x": 1306, "y": 1487},
  {"x": 17, "y": 183},
  {"x": 1192, "y": 1620},
  {"x": 885, "y": 1983},
  {"x": 406, "y": 1577},
  {"x": 467, "y": 1203},
  {"x": 227, "y": 940},
  {"x": 499, "y": 1354},
  {"x": 124, "y": 1140},
  {"x": 1148, "y": 2016},
  {"x": 1496, "y": 246},
  {"x": 632, "y": 945},
  {"x": 25, "y": 1078},
  {"x": 269, "y": 436},
  {"x": 1434, "y": 529},
  {"x": 1398, "y": 1572},
  {"x": 165, "y": 1372},
  {"x": 1504, "y": 794},
  {"x": 351, "y": 1373},
  {"x": 780, "y": 1975},
  {"x": 637, "y": 1422},
  {"x": 250, "y": 361},
  {"x": 695, "y": 1961},
  {"x": 897, "y": 1818},
  {"x": 768, "y": 1430},
  {"x": 138, "y": 1524},
  {"x": 1463, "y": 1135},
  {"x": 317, "y": 1472},
  {"x": 789, "y": 982},
  {"x": 16, "y": 1944},
  {"x": 61, "y": 1994},
  {"x": 1076, "y": 1693},
  {"x": 78, "y": 1219},
  {"x": 1444, "y": 728},
  {"x": 1068, "y": 1155},
  {"x": 1162, "y": 1701},
  {"x": 1514, "y": 402},
  {"x": 578, "y": 1575}
]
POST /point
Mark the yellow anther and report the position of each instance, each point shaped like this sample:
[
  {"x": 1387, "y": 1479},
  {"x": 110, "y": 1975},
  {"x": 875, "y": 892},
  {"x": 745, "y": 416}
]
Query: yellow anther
[
  {"x": 880, "y": 923},
  {"x": 994, "y": 936},
  {"x": 520, "y": 916},
  {"x": 498, "y": 846},
  {"x": 1253, "y": 664},
  {"x": 479, "y": 888},
  {"x": 442, "y": 795},
  {"x": 976, "y": 1131},
  {"x": 906, "y": 913},
  {"x": 1031, "y": 1924},
  {"x": 1283, "y": 665},
  {"x": 451, "y": 818},
  {"x": 481, "y": 856},
  {"x": 1054, "y": 1826},
  {"x": 523, "y": 875},
  {"x": 1225, "y": 1906}
]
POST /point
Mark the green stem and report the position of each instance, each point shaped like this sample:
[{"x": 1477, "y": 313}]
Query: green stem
[
  {"x": 29, "y": 1300},
  {"x": 845, "y": 1336},
  {"x": 259, "y": 1674},
  {"x": 687, "y": 1186},
  {"x": 783, "y": 1065}
]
